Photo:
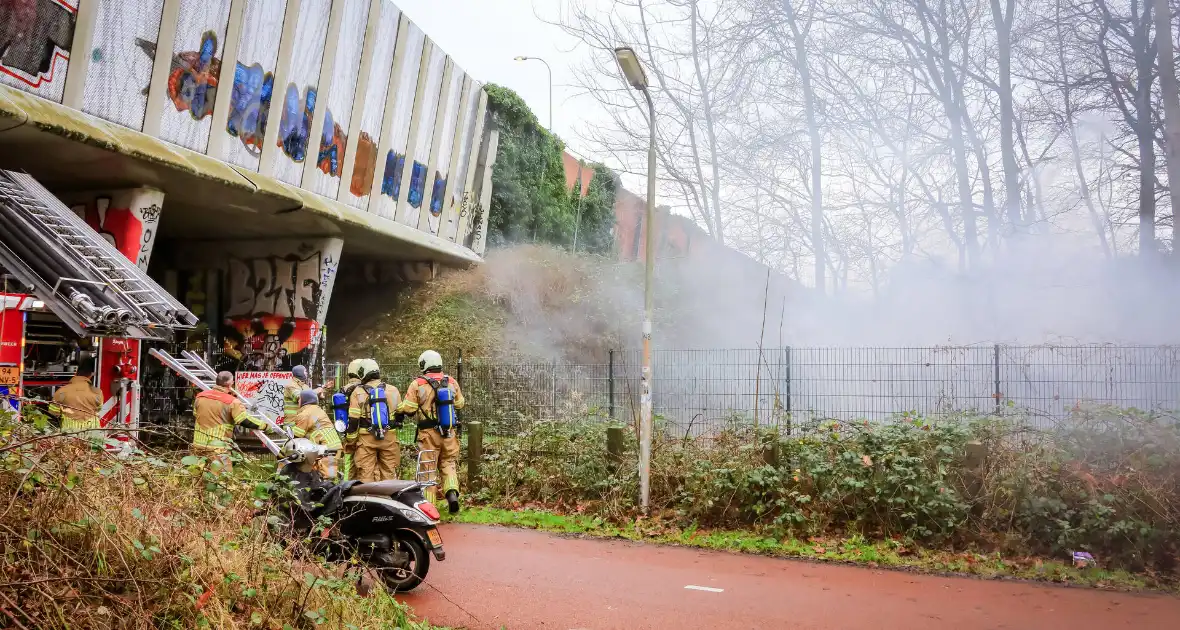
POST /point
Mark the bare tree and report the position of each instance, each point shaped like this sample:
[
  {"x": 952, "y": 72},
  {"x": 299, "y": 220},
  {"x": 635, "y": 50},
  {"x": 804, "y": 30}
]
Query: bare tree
[{"x": 1171, "y": 98}]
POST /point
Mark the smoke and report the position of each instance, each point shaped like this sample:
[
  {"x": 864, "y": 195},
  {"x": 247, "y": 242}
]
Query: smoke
[{"x": 1036, "y": 290}]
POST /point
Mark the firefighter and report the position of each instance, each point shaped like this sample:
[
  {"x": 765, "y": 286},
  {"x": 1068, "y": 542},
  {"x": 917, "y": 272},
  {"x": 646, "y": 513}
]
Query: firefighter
[
  {"x": 299, "y": 382},
  {"x": 216, "y": 412},
  {"x": 427, "y": 400},
  {"x": 351, "y": 430},
  {"x": 372, "y": 404},
  {"x": 78, "y": 403},
  {"x": 313, "y": 423}
]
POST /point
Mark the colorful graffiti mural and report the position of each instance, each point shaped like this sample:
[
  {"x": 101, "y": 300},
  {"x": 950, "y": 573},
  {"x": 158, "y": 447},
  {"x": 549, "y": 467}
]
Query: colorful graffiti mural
[
  {"x": 417, "y": 185},
  {"x": 270, "y": 342},
  {"x": 192, "y": 81},
  {"x": 35, "y": 40},
  {"x": 128, "y": 219},
  {"x": 365, "y": 166},
  {"x": 436, "y": 194},
  {"x": 274, "y": 301},
  {"x": 295, "y": 124},
  {"x": 332, "y": 145},
  {"x": 250, "y": 106},
  {"x": 391, "y": 181}
]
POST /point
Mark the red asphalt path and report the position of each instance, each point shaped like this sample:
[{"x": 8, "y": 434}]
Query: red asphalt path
[{"x": 520, "y": 579}]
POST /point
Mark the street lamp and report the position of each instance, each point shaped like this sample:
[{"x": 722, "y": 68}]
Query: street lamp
[
  {"x": 633, "y": 71},
  {"x": 522, "y": 58}
]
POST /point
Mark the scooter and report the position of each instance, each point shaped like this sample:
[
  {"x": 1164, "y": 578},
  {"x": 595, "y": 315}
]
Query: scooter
[{"x": 387, "y": 525}]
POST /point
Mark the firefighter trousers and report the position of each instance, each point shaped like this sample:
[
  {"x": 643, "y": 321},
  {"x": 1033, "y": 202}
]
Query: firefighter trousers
[
  {"x": 445, "y": 454},
  {"x": 376, "y": 460}
]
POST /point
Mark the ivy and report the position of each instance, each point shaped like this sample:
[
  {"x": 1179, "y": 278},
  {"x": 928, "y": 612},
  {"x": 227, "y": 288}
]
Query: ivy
[{"x": 530, "y": 201}]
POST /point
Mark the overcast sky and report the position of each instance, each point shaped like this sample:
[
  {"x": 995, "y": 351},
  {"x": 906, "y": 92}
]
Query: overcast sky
[{"x": 484, "y": 37}]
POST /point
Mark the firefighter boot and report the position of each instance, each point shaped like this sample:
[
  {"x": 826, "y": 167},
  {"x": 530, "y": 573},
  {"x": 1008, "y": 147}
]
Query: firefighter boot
[{"x": 453, "y": 501}]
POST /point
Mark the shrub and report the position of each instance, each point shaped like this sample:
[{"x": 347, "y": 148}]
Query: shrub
[
  {"x": 1107, "y": 482},
  {"x": 91, "y": 541}
]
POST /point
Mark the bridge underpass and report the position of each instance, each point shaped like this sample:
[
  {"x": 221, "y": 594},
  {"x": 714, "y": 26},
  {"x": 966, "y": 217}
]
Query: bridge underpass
[{"x": 244, "y": 199}]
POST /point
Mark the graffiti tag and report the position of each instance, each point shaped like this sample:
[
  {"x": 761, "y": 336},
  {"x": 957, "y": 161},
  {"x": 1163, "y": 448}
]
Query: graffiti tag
[
  {"x": 33, "y": 36},
  {"x": 287, "y": 286}
]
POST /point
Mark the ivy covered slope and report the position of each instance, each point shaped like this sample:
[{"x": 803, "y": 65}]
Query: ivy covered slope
[{"x": 530, "y": 201}]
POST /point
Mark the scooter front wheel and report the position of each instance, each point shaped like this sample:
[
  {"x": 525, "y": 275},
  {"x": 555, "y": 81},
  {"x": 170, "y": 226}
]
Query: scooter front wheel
[{"x": 407, "y": 578}]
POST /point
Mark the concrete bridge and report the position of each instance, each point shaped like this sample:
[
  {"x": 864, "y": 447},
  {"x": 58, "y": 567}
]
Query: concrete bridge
[{"x": 248, "y": 152}]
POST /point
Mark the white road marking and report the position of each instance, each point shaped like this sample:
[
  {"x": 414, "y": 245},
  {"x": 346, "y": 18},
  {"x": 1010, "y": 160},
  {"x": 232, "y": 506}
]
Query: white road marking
[{"x": 710, "y": 589}]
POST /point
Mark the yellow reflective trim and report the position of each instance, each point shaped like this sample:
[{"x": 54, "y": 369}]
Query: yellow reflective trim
[
  {"x": 327, "y": 437},
  {"x": 407, "y": 406},
  {"x": 245, "y": 418},
  {"x": 297, "y": 432}
]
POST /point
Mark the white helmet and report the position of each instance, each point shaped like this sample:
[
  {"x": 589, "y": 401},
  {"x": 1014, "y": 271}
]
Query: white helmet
[
  {"x": 301, "y": 450},
  {"x": 430, "y": 360},
  {"x": 369, "y": 369},
  {"x": 354, "y": 368}
]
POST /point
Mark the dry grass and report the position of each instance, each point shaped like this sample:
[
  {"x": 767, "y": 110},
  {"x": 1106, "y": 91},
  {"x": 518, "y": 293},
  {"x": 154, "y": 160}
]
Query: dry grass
[{"x": 91, "y": 541}]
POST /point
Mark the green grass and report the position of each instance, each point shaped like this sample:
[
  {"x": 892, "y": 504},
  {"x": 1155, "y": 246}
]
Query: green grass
[{"x": 892, "y": 554}]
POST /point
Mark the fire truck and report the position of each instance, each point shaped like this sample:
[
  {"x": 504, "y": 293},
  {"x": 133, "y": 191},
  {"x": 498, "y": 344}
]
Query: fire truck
[{"x": 67, "y": 296}]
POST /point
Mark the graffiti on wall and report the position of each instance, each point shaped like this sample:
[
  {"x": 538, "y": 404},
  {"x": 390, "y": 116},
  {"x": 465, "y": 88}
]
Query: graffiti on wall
[
  {"x": 129, "y": 220},
  {"x": 365, "y": 167},
  {"x": 436, "y": 199},
  {"x": 35, "y": 39},
  {"x": 275, "y": 297},
  {"x": 192, "y": 81},
  {"x": 268, "y": 342},
  {"x": 295, "y": 124},
  {"x": 250, "y": 106},
  {"x": 391, "y": 181},
  {"x": 332, "y": 143},
  {"x": 417, "y": 184},
  {"x": 264, "y": 389}
]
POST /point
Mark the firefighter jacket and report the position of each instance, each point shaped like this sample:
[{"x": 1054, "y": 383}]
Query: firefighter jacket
[
  {"x": 216, "y": 412},
  {"x": 358, "y": 404},
  {"x": 419, "y": 400},
  {"x": 313, "y": 423},
  {"x": 77, "y": 404},
  {"x": 291, "y": 398}
]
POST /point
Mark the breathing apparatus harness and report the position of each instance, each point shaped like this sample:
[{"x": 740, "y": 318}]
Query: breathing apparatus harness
[{"x": 446, "y": 417}]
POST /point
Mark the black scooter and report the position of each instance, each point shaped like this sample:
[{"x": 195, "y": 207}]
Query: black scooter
[{"x": 387, "y": 525}]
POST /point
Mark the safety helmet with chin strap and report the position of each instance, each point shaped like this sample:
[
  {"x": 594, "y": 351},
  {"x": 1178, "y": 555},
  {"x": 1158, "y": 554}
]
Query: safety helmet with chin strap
[
  {"x": 354, "y": 368},
  {"x": 430, "y": 360}
]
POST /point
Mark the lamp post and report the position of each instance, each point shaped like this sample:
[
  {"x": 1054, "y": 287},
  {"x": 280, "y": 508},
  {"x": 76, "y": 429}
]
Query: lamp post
[
  {"x": 550, "y": 70},
  {"x": 633, "y": 71}
]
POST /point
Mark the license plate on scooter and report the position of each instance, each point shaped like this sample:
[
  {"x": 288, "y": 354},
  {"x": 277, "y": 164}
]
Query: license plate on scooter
[{"x": 435, "y": 537}]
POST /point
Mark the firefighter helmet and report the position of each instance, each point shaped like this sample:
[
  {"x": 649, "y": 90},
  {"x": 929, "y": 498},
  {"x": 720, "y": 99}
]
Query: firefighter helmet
[{"x": 430, "y": 360}]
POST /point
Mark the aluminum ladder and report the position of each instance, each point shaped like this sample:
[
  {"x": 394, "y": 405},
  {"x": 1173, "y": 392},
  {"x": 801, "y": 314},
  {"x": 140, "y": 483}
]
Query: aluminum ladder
[
  {"x": 149, "y": 303},
  {"x": 195, "y": 370}
]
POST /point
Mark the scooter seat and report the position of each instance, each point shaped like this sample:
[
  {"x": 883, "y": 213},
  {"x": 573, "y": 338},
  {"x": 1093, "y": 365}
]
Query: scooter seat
[{"x": 385, "y": 488}]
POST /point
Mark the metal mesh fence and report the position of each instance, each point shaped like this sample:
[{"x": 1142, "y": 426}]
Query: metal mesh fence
[{"x": 700, "y": 392}]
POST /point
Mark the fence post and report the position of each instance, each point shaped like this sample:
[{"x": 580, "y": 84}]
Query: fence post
[
  {"x": 474, "y": 452},
  {"x": 459, "y": 367},
  {"x": 788, "y": 379},
  {"x": 614, "y": 445},
  {"x": 996, "y": 363},
  {"x": 610, "y": 384}
]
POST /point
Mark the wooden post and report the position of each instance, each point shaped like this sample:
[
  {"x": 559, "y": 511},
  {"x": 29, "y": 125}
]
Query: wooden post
[
  {"x": 614, "y": 445},
  {"x": 474, "y": 452},
  {"x": 974, "y": 463},
  {"x": 770, "y": 450}
]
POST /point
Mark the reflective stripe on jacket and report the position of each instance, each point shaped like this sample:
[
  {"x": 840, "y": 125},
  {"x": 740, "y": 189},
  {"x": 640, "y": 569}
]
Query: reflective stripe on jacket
[{"x": 78, "y": 404}]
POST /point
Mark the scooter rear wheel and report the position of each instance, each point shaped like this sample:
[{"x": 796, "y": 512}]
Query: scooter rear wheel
[{"x": 403, "y": 579}]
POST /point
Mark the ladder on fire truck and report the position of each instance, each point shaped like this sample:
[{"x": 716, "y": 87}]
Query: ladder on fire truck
[
  {"x": 195, "y": 370},
  {"x": 89, "y": 284}
]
